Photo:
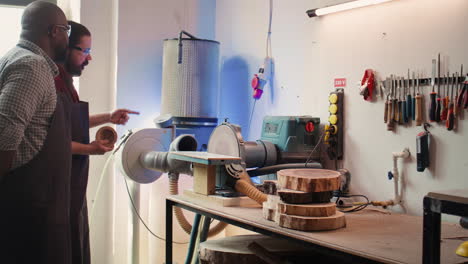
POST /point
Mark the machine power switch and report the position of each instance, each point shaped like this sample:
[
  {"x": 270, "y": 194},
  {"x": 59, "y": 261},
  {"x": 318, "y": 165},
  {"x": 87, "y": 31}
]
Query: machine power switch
[{"x": 310, "y": 127}]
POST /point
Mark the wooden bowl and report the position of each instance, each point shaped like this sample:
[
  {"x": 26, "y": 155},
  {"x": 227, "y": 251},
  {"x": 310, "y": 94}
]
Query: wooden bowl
[{"x": 107, "y": 133}]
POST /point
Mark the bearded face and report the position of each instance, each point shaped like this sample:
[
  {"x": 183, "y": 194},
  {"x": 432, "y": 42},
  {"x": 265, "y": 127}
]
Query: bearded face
[{"x": 79, "y": 56}]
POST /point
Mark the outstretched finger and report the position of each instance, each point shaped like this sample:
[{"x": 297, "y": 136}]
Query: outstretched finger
[{"x": 132, "y": 112}]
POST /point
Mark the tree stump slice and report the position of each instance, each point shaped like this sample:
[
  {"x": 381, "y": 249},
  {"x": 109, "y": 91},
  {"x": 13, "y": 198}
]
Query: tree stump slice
[
  {"x": 269, "y": 187},
  {"x": 305, "y": 223},
  {"x": 300, "y": 197},
  {"x": 234, "y": 250},
  {"x": 311, "y": 210},
  {"x": 309, "y": 180}
]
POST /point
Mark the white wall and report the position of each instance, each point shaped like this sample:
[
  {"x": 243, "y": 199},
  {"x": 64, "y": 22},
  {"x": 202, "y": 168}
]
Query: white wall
[
  {"x": 97, "y": 86},
  {"x": 310, "y": 53}
]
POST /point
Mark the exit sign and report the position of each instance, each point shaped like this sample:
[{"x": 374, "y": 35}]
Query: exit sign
[{"x": 340, "y": 82}]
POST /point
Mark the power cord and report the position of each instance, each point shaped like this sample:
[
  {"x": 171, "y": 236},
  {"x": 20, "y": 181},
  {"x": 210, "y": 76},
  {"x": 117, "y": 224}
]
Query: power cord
[
  {"x": 356, "y": 206},
  {"x": 123, "y": 140},
  {"x": 141, "y": 220},
  {"x": 313, "y": 150}
]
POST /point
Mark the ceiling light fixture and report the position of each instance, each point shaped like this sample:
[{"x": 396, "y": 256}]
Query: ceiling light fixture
[{"x": 342, "y": 7}]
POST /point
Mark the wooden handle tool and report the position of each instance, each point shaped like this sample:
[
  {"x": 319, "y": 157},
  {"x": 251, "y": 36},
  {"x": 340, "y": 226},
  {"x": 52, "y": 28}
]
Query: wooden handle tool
[{"x": 419, "y": 103}]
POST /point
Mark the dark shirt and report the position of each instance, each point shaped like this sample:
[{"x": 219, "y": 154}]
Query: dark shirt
[{"x": 64, "y": 84}]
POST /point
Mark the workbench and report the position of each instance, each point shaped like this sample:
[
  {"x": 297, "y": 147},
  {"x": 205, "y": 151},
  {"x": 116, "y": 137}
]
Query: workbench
[
  {"x": 454, "y": 202},
  {"x": 370, "y": 236}
]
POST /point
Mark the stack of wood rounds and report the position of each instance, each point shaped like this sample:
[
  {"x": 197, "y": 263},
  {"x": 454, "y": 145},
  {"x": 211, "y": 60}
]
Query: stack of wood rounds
[{"x": 303, "y": 200}]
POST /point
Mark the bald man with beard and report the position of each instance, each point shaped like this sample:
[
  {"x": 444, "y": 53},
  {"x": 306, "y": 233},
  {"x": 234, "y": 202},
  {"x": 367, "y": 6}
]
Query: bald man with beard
[{"x": 35, "y": 141}]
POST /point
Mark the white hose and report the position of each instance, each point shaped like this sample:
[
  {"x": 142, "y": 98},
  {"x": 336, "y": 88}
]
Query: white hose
[{"x": 99, "y": 187}]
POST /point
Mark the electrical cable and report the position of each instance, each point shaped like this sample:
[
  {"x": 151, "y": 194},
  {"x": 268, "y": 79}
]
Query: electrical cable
[
  {"x": 128, "y": 191},
  {"x": 313, "y": 150},
  {"x": 268, "y": 52},
  {"x": 98, "y": 190},
  {"x": 251, "y": 114},
  {"x": 357, "y": 207},
  {"x": 141, "y": 220},
  {"x": 268, "y": 41}
]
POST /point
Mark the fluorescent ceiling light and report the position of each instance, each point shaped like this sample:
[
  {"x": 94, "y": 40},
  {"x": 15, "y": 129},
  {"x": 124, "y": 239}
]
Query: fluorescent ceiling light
[{"x": 343, "y": 7}]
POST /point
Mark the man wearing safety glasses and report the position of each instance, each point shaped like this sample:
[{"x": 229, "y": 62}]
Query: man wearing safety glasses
[{"x": 78, "y": 57}]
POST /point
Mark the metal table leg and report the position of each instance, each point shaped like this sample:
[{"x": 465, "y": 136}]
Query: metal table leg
[
  {"x": 431, "y": 231},
  {"x": 169, "y": 205}
]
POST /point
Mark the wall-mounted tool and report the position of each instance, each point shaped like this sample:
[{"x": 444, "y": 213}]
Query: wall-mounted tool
[
  {"x": 459, "y": 87},
  {"x": 367, "y": 85},
  {"x": 423, "y": 141},
  {"x": 432, "y": 107},
  {"x": 450, "y": 116},
  {"x": 463, "y": 96},
  {"x": 409, "y": 99},
  {"x": 439, "y": 99},
  {"x": 387, "y": 101},
  {"x": 396, "y": 106},
  {"x": 334, "y": 130},
  {"x": 419, "y": 105},
  {"x": 390, "y": 104},
  {"x": 404, "y": 103},
  {"x": 445, "y": 99}
]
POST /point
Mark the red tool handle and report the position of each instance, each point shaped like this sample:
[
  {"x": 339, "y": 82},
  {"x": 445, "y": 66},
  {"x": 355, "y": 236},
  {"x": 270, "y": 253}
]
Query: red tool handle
[
  {"x": 450, "y": 118},
  {"x": 443, "y": 115}
]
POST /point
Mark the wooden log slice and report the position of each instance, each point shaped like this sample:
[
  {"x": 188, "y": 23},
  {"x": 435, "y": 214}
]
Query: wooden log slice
[
  {"x": 300, "y": 197},
  {"x": 269, "y": 187},
  {"x": 309, "y": 180},
  {"x": 317, "y": 210},
  {"x": 305, "y": 223},
  {"x": 234, "y": 250}
]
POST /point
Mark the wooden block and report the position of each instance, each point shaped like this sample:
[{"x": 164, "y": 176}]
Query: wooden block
[
  {"x": 299, "y": 197},
  {"x": 305, "y": 223},
  {"x": 269, "y": 187},
  {"x": 204, "y": 178},
  {"x": 270, "y": 208},
  {"x": 268, "y": 213},
  {"x": 317, "y": 210},
  {"x": 242, "y": 201},
  {"x": 309, "y": 180},
  {"x": 272, "y": 201},
  {"x": 234, "y": 250}
]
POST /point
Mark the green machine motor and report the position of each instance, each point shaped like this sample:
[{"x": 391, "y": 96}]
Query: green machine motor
[
  {"x": 294, "y": 136},
  {"x": 286, "y": 142}
]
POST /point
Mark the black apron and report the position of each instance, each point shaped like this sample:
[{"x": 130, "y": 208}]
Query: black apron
[
  {"x": 35, "y": 200},
  {"x": 79, "y": 182}
]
